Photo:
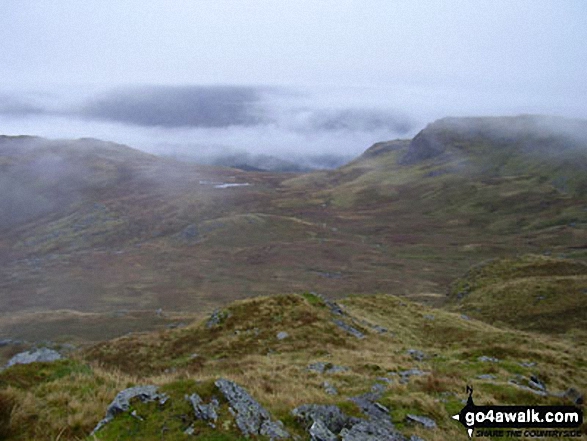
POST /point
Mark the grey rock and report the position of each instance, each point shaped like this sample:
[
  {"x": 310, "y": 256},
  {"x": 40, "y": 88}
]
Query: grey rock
[
  {"x": 465, "y": 317},
  {"x": 5, "y": 342},
  {"x": 378, "y": 388},
  {"x": 416, "y": 438},
  {"x": 37, "y": 355},
  {"x": 122, "y": 402},
  {"x": 349, "y": 329},
  {"x": 319, "y": 432},
  {"x": 486, "y": 359},
  {"x": 273, "y": 430},
  {"x": 416, "y": 354},
  {"x": 329, "y": 388},
  {"x": 527, "y": 364},
  {"x": 375, "y": 411},
  {"x": 326, "y": 368},
  {"x": 206, "y": 412},
  {"x": 217, "y": 317},
  {"x": 405, "y": 375},
  {"x": 428, "y": 423},
  {"x": 282, "y": 335},
  {"x": 251, "y": 417},
  {"x": 429, "y": 317},
  {"x": 332, "y": 417},
  {"x": 486, "y": 377},
  {"x": 189, "y": 431},
  {"x": 528, "y": 389}
]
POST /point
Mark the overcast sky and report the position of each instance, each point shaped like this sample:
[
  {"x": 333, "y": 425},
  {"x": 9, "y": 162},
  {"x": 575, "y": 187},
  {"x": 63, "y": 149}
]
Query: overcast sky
[{"x": 406, "y": 60}]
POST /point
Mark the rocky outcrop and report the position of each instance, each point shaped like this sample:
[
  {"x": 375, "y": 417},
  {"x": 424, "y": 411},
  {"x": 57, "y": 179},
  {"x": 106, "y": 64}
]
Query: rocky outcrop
[
  {"x": 205, "y": 412},
  {"x": 37, "y": 355},
  {"x": 218, "y": 316},
  {"x": 329, "y": 423},
  {"x": 251, "y": 417},
  {"x": 122, "y": 402}
]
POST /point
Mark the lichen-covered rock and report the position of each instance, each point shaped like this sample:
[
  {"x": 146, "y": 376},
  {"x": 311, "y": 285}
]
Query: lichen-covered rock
[
  {"x": 218, "y": 316},
  {"x": 329, "y": 388},
  {"x": 416, "y": 354},
  {"x": 332, "y": 417},
  {"x": 206, "y": 412},
  {"x": 319, "y": 432},
  {"x": 37, "y": 355},
  {"x": 349, "y": 329},
  {"x": 122, "y": 402},
  {"x": 251, "y": 417},
  {"x": 326, "y": 368}
]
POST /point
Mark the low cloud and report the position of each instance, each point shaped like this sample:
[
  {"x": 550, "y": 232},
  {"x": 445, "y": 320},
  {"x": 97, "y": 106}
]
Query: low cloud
[
  {"x": 178, "y": 106},
  {"x": 16, "y": 106},
  {"x": 357, "y": 119}
]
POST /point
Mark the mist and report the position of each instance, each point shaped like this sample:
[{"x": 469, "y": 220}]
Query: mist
[{"x": 263, "y": 127}]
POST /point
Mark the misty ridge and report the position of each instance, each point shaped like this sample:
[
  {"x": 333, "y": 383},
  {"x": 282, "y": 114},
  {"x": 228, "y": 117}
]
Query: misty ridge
[
  {"x": 273, "y": 128},
  {"x": 252, "y": 127}
]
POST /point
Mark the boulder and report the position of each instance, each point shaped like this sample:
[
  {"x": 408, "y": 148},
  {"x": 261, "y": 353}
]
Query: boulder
[
  {"x": 319, "y": 432},
  {"x": 331, "y": 416},
  {"x": 251, "y": 417},
  {"x": 121, "y": 402},
  {"x": 206, "y": 412},
  {"x": 37, "y": 355}
]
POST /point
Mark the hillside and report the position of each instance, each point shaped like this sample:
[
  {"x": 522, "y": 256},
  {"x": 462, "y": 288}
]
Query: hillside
[
  {"x": 96, "y": 227},
  {"x": 287, "y": 352},
  {"x": 537, "y": 293}
]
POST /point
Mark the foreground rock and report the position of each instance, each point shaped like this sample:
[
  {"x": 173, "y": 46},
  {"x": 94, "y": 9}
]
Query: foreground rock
[
  {"x": 251, "y": 417},
  {"x": 206, "y": 412},
  {"x": 122, "y": 402},
  {"x": 329, "y": 423},
  {"x": 37, "y": 355}
]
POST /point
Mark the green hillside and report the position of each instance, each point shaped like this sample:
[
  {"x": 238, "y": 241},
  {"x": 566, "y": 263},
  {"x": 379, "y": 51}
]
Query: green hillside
[
  {"x": 419, "y": 359},
  {"x": 535, "y": 293},
  {"x": 114, "y": 229}
]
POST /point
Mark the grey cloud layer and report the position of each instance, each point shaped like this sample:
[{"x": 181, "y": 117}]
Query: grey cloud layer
[{"x": 178, "y": 106}]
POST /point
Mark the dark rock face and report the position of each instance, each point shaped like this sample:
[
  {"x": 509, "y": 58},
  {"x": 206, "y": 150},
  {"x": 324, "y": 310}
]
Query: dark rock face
[
  {"x": 425, "y": 145},
  {"x": 122, "y": 402},
  {"x": 38, "y": 355},
  {"x": 251, "y": 417}
]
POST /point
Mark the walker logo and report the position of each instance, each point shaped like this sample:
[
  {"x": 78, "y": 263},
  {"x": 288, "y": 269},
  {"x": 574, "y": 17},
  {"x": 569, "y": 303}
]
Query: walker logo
[{"x": 517, "y": 421}]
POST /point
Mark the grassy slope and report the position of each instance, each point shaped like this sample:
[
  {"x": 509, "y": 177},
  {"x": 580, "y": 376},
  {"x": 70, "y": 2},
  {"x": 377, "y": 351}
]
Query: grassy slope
[
  {"x": 65, "y": 400},
  {"x": 537, "y": 293},
  {"x": 141, "y": 233}
]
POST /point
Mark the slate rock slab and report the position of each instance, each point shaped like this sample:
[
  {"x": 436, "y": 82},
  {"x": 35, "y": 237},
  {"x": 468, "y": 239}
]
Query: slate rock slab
[
  {"x": 428, "y": 423},
  {"x": 251, "y": 417},
  {"x": 122, "y": 402}
]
